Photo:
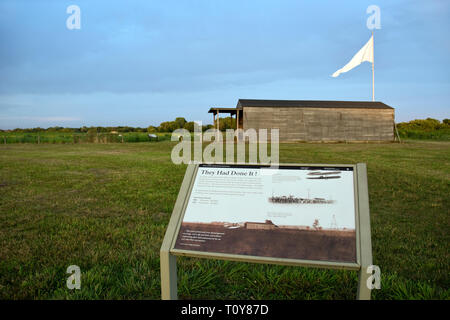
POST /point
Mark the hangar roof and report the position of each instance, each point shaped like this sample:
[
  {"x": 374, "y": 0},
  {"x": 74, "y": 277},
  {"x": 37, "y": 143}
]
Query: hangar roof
[
  {"x": 311, "y": 104},
  {"x": 222, "y": 110}
]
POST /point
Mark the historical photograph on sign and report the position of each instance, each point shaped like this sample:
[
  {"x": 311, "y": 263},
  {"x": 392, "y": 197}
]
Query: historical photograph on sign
[{"x": 305, "y": 213}]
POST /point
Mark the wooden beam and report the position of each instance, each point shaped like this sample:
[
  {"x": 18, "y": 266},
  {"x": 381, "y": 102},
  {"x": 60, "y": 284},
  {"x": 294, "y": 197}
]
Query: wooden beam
[{"x": 218, "y": 124}]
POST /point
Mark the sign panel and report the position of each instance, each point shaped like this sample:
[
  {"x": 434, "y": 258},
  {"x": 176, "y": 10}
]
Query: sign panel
[{"x": 292, "y": 212}]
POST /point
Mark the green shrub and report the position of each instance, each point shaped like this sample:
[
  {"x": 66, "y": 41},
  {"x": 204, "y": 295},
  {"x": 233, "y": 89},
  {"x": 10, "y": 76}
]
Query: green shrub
[{"x": 425, "y": 129}]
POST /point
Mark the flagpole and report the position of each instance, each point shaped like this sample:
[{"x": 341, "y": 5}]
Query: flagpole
[{"x": 373, "y": 67}]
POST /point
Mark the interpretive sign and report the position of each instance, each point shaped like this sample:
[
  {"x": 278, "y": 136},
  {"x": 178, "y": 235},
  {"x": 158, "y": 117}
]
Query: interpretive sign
[
  {"x": 291, "y": 212},
  {"x": 308, "y": 215}
]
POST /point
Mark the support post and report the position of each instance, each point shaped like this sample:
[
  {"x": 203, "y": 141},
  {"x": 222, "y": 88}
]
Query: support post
[
  {"x": 237, "y": 123},
  {"x": 168, "y": 261},
  {"x": 168, "y": 265},
  {"x": 396, "y": 132},
  {"x": 218, "y": 127},
  {"x": 218, "y": 124},
  {"x": 364, "y": 292}
]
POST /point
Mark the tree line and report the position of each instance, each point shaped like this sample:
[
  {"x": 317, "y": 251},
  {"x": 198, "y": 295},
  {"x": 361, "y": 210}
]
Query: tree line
[
  {"x": 425, "y": 129},
  {"x": 167, "y": 126},
  {"x": 429, "y": 124}
]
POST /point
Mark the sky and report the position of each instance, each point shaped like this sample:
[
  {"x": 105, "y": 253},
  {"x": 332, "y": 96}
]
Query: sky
[{"x": 139, "y": 63}]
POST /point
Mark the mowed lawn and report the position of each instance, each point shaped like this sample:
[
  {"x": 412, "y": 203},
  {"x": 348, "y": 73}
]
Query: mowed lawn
[{"x": 105, "y": 208}]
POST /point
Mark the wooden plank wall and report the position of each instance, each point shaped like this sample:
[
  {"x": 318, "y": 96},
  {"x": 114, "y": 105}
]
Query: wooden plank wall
[{"x": 323, "y": 124}]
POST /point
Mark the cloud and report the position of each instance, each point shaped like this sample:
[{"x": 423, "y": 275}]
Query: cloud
[{"x": 164, "y": 47}]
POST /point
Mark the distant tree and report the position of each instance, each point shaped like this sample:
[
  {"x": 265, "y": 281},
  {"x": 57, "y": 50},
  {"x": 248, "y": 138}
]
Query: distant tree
[
  {"x": 55, "y": 129},
  {"x": 189, "y": 126},
  {"x": 227, "y": 123},
  {"x": 428, "y": 124},
  {"x": 167, "y": 126},
  {"x": 180, "y": 122},
  {"x": 207, "y": 127},
  {"x": 170, "y": 126}
]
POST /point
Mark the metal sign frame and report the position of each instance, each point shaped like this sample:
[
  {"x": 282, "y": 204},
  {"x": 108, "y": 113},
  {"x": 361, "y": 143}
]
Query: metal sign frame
[{"x": 168, "y": 251}]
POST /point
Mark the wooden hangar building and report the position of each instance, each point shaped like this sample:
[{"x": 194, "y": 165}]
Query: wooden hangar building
[{"x": 325, "y": 121}]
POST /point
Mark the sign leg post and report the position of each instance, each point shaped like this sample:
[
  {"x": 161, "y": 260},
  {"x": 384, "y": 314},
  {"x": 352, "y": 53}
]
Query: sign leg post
[
  {"x": 363, "y": 291},
  {"x": 364, "y": 232},
  {"x": 168, "y": 276},
  {"x": 168, "y": 262}
]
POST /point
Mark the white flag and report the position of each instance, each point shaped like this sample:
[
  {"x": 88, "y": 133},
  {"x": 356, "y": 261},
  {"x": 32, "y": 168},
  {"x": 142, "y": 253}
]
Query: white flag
[{"x": 364, "y": 54}]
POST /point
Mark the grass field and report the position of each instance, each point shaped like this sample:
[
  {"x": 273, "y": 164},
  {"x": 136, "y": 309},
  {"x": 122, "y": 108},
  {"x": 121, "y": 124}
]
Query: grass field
[{"x": 105, "y": 208}]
